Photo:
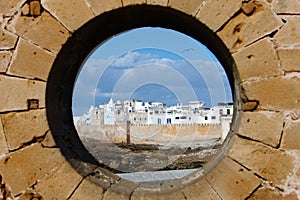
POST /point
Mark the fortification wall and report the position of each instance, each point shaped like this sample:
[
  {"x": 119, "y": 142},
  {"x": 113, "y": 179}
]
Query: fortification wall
[{"x": 261, "y": 160}]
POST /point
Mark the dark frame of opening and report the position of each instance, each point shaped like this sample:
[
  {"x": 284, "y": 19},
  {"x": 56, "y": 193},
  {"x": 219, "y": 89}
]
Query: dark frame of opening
[{"x": 70, "y": 59}]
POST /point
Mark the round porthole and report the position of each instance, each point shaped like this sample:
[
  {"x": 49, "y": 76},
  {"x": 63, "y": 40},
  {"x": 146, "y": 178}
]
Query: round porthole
[{"x": 102, "y": 136}]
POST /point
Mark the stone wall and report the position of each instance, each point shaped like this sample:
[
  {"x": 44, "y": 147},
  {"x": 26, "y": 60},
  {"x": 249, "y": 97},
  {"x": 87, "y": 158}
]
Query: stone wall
[{"x": 262, "y": 158}]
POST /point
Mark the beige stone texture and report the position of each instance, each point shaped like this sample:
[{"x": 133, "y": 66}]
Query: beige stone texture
[
  {"x": 251, "y": 64},
  {"x": 215, "y": 13},
  {"x": 31, "y": 61},
  {"x": 49, "y": 140},
  {"x": 133, "y": 2},
  {"x": 25, "y": 167},
  {"x": 157, "y": 2},
  {"x": 290, "y": 59},
  {"x": 286, "y": 6},
  {"x": 43, "y": 30},
  {"x": 121, "y": 190},
  {"x": 7, "y": 40},
  {"x": 189, "y": 7},
  {"x": 264, "y": 126},
  {"x": 200, "y": 189},
  {"x": 243, "y": 30},
  {"x": 7, "y": 8},
  {"x": 3, "y": 143},
  {"x": 101, "y": 6},
  {"x": 23, "y": 127},
  {"x": 88, "y": 190},
  {"x": 72, "y": 13},
  {"x": 289, "y": 34},
  {"x": 16, "y": 91},
  {"x": 291, "y": 136},
  {"x": 5, "y": 57},
  {"x": 272, "y": 164},
  {"x": 279, "y": 93},
  {"x": 265, "y": 193},
  {"x": 60, "y": 183},
  {"x": 236, "y": 183}
]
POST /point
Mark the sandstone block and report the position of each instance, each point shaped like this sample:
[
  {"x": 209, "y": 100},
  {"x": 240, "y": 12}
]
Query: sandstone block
[
  {"x": 31, "y": 61},
  {"x": 7, "y": 8},
  {"x": 289, "y": 34},
  {"x": 88, "y": 190},
  {"x": 262, "y": 126},
  {"x": 5, "y": 57},
  {"x": 286, "y": 6},
  {"x": 280, "y": 93},
  {"x": 121, "y": 190},
  {"x": 23, "y": 127},
  {"x": 290, "y": 59},
  {"x": 67, "y": 12},
  {"x": 291, "y": 136},
  {"x": 200, "y": 190},
  {"x": 25, "y": 167},
  {"x": 49, "y": 140},
  {"x": 251, "y": 64},
  {"x": 266, "y": 193},
  {"x": 3, "y": 144},
  {"x": 188, "y": 7},
  {"x": 243, "y": 30},
  {"x": 16, "y": 91},
  {"x": 7, "y": 39},
  {"x": 104, "y": 5},
  {"x": 133, "y": 2},
  {"x": 216, "y": 13},
  {"x": 272, "y": 164},
  {"x": 44, "y": 30},
  {"x": 60, "y": 184},
  {"x": 157, "y": 2},
  {"x": 236, "y": 183}
]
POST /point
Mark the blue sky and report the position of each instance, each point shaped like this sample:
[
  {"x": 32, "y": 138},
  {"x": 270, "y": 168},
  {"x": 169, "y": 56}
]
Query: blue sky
[{"x": 150, "y": 64}]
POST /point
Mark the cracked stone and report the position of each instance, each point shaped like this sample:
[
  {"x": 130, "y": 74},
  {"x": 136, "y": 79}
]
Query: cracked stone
[
  {"x": 190, "y": 7},
  {"x": 3, "y": 144},
  {"x": 104, "y": 5},
  {"x": 23, "y": 127},
  {"x": 5, "y": 57},
  {"x": 120, "y": 190},
  {"x": 262, "y": 126},
  {"x": 266, "y": 193},
  {"x": 7, "y": 39},
  {"x": 289, "y": 34},
  {"x": 291, "y": 136},
  {"x": 88, "y": 190},
  {"x": 272, "y": 164}
]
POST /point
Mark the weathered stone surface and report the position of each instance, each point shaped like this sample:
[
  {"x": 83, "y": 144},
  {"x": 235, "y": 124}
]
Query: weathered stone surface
[
  {"x": 289, "y": 34},
  {"x": 5, "y": 57},
  {"x": 35, "y": 8},
  {"x": 60, "y": 183},
  {"x": 290, "y": 59},
  {"x": 262, "y": 126},
  {"x": 121, "y": 190},
  {"x": 67, "y": 12},
  {"x": 49, "y": 140},
  {"x": 31, "y": 61},
  {"x": 158, "y": 2},
  {"x": 43, "y": 30},
  {"x": 286, "y": 6},
  {"x": 7, "y": 8},
  {"x": 3, "y": 144},
  {"x": 7, "y": 39},
  {"x": 236, "y": 183},
  {"x": 216, "y": 13},
  {"x": 280, "y": 93},
  {"x": 265, "y": 193},
  {"x": 100, "y": 6},
  {"x": 23, "y": 168},
  {"x": 189, "y": 7},
  {"x": 133, "y": 2},
  {"x": 200, "y": 189},
  {"x": 291, "y": 136},
  {"x": 272, "y": 164},
  {"x": 243, "y": 30},
  {"x": 250, "y": 105},
  {"x": 29, "y": 194},
  {"x": 16, "y": 91},
  {"x": 23, "y": 127},
  {"x": 88, "y": 190},
  {"x": 170, "y": 195},
  {"x": 251, "y": 64}
]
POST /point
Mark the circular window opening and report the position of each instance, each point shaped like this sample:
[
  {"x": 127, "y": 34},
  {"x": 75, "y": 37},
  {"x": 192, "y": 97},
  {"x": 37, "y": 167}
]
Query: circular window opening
[
  {"x": 152, "y": 100},
  {"x": 139, "y": 100}
]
